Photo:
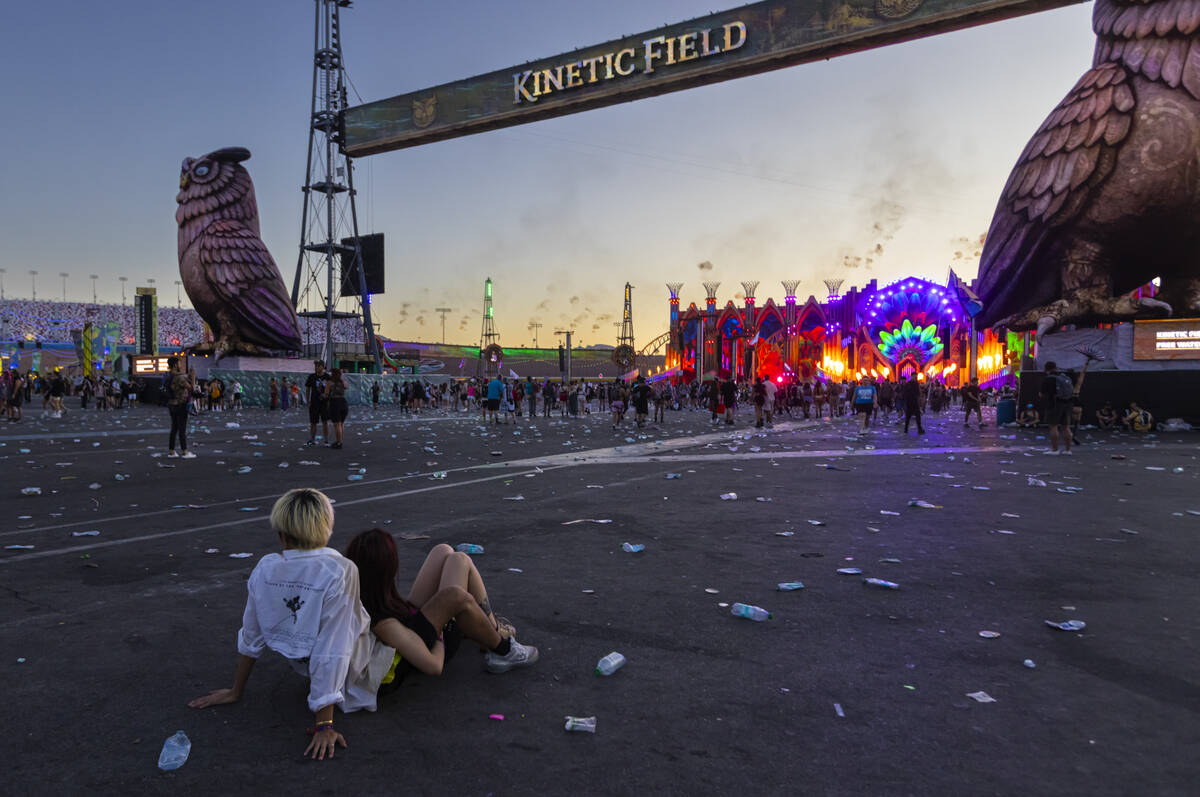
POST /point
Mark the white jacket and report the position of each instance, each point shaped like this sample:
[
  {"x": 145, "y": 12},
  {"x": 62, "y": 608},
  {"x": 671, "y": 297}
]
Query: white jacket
[{"x": 304, "y": 605}]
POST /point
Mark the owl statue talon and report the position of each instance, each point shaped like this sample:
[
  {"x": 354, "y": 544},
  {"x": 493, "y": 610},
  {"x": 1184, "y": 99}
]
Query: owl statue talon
[{"x": 228, "y": 273}]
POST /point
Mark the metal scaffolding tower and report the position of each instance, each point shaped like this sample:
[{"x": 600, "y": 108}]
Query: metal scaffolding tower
[
  {"x": 625, "y": 354},
  {"x": 329, "y": 220},
  {"x": 489, "y": 350}
]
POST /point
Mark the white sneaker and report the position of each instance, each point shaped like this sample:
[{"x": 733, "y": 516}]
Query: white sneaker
[
  {"x": 518, "y": 656},
  {"x": 173, "y": 455},
  {"x": 187, "y": 455}
]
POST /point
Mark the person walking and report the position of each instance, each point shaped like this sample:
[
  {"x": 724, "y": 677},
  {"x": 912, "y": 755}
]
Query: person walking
[
  {"x": 729, "y": 397},
  {"x": 375, "y": 391},
  {"x": 866, "y": 400},
  {"x": 179, "y": 393},
  {"x": 972, "y": 398},
  {"x": 274, "y": 394},
  {"x": 910, "y": 392}
]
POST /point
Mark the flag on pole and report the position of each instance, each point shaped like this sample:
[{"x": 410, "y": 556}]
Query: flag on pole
[{"x": 970, "y": 301}]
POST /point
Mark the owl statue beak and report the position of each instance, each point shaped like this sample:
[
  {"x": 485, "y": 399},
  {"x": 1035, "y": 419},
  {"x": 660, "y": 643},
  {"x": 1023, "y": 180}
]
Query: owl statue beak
[{"x": 183, "y": 181}]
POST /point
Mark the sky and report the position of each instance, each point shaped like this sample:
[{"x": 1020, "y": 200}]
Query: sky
[{"x": 877, "y": 165}]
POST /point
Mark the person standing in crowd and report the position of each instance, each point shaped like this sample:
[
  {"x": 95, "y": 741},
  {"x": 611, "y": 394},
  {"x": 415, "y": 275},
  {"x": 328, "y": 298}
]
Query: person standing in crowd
[
  {"x": 395, "y": 393},
  {"x": 236, "y": 389},
  {"x": 495, "y": 394},
  {"x": 910, "y": 392},
  {"x": 338, "y": 408},
  {"x": 274, "y": 394},
  {"x": 760, "y": 401},
  {"x": 179, "y": 393},
  {"x": 887, "y": 397},
  {"x": 55, "y": 390},
  {"x": 318, "y": 410},
  {"x": 972, "y": 398},
  {"x": 769, "y": 405},
  {"x": 531, "y": 394},
  {"x": 16, "y": 396},
  {"x": 285, "y": 394},
  {"x": 866, "y": 400},
  {"x": 1058, "y": 392},
  {"x": 729, "y": 397},
  {"x": 375, "y": 391}
]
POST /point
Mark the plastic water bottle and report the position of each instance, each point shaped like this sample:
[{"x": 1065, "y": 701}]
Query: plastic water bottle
[
  {"x": 469, "y": 547},
  {"x": 174, "y": 752},
  {"x": 585, "y": 724},
  {"x": 629, "y": 547},
  {"x": 610, "y": 664},
  {"x": 756, "y": 613}
]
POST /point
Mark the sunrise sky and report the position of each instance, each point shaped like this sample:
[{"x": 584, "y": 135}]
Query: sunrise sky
[{"x": 875, "y": 165}]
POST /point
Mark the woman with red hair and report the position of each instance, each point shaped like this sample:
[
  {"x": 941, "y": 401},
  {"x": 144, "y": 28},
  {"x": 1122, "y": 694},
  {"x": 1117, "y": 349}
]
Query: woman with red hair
[{"x": 447, "y": 596}]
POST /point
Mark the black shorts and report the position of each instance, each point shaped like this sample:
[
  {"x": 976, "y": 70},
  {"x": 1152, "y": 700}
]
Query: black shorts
[
  {"x": 863, "y": 408},
  {"x": 1059, "y": 413},
  {"x": 338, "y": 410},
  {"x": 493, "y": 405},
  {"x": 451, "y": 639},
  {"x": 317, "y": 411}
]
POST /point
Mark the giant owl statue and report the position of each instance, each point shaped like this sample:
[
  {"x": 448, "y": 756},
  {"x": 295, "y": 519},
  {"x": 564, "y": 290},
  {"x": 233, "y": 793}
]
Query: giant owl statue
[
  {"x": 226, "y": 269},
  {"x": 1106, "y": 196}
]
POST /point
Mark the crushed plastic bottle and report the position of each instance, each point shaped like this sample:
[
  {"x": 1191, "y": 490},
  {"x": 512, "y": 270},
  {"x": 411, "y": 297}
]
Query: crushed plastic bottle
[
  {"x": 175, "y": 752},
  {"x": 788, "y": 586},
  {"x": 879, "y": 582},
  {"x": 469, "y": 547},
  {"x": 756, "y": 613},
  {"x": 629, "y": 547},
  {"x": 610, "y": 664},
  {"x": 582, "y": 724}
]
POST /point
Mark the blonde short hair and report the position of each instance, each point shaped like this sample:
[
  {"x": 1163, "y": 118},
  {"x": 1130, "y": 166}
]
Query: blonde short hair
[{"x": 304, "y": 516}]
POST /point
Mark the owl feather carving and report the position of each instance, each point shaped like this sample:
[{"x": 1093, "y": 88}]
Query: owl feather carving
[
  {"x": 226, "y": 269},
  {"x": 1106, "y": 195}
]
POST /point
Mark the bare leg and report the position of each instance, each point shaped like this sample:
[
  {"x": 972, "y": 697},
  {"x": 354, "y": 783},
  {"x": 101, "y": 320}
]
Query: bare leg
[
  {"x": 429, "y": 577},
  {"x": 455, "y": 603},
  {"x": 459, "y": 571}
]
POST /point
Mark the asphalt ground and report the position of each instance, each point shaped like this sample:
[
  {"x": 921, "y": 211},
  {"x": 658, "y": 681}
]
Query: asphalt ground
[{"x": 105, "y": 637}]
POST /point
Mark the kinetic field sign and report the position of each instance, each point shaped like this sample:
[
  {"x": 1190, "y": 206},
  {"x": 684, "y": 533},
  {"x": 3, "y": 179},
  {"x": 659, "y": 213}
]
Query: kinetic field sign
[{"x": 754, "y": 38}]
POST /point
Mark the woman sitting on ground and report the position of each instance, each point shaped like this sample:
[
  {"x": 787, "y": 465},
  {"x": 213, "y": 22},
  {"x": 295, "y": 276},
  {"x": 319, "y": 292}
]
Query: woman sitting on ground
[
  {"x": 447, "y": 588},
  {"x": 1028, "y": 417},
  {"x": 1106, "y": 416}
]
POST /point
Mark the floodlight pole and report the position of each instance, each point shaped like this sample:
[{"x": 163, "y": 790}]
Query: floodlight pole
[
  {"x": 535, "y": 326},
  {"x": 567, "y": 353},
  {"x": 443, "y": 311}
]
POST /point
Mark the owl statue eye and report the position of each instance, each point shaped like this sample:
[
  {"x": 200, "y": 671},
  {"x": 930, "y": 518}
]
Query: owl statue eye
[{"x": 201, "y": 171}]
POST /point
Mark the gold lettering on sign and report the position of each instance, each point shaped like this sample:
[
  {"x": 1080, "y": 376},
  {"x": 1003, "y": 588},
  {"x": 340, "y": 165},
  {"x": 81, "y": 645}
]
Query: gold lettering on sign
[
  {"x": 652, "y": 52},
  {"x": 657, "y": 53},
  {"x": 624, "y": 54}
]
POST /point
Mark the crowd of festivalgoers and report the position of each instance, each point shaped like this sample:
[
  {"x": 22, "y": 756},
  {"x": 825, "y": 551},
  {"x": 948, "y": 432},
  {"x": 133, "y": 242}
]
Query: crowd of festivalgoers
[{"x": 503, "y": 400}]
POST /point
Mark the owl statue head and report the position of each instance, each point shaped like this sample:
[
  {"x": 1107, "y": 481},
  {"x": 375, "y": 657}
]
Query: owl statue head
[{"x": 214, "y": 187}]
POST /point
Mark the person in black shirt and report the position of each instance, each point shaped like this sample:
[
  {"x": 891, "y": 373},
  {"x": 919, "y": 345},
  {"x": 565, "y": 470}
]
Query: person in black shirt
[
  {"x": 728, "y": 396},
  {"x": 318, "y": 408},
  {"x": 1058, "y": 393},
  {"x": 911, "y": 393}
]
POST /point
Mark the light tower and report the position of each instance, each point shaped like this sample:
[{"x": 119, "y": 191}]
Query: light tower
[
  {"x": 535, "y": 326},
  {"x": 625, "y": 354},
  {"x": 443, "y": 311},
  {"x": 489, "y": 350},
  {"x": 93, "y": 278},
  {"x": 64, "y": 276},
  {"x": 329, "y": 219}
]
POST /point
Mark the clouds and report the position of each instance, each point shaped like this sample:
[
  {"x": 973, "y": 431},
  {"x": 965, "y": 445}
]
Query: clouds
[{"x": 705, "y": 265}]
